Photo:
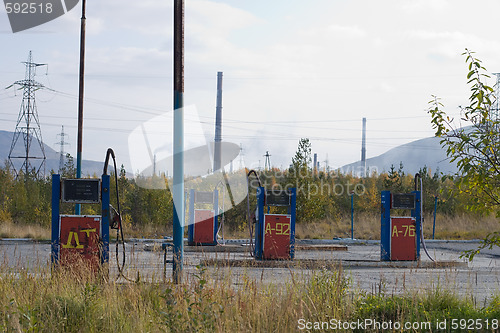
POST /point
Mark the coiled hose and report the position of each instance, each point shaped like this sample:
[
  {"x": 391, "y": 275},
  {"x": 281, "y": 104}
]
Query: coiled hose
[
  {"x": 417, "y": 175},
  {"x": 251, "y": 218},
  {"x": 118, "y": 227}
]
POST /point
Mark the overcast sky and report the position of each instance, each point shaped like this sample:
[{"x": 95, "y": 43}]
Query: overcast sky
[{"x": 292, "y": 69}]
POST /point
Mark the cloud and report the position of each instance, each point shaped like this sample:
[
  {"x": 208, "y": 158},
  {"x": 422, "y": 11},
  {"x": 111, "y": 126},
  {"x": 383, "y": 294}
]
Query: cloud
[
  {"x": 210, "y": 17},
  {"x": 146, "y": 17},
  {"x": 323, "y": 60},
  {"x": 424, "y": 5},
  {"x": 450, "y": 44},
  {"x": 346, "y": 31}
]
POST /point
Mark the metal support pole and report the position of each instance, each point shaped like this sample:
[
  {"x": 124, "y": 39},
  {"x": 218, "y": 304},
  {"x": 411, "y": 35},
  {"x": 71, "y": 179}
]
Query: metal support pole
[
  {"x": 259, "y": 227},
  {"x": 56, "y": 197},
  {"x": 363, "y": 149},
  {"x": 417, "y": 214},
  {"x": 293, "y": 212},
  {"x": 435, "y": 211},
  {"x": 222, "y": 217},
  {"x": 352, "y": 215},
  {"x": 216, "y": 215},
  {"x": 105, "y": 194},
  {"x": 385, "y": 226},
  {"x": 192, "y": 195},
  {"x": 178, "y": 178},
  {"x": 80, "y": 100}
]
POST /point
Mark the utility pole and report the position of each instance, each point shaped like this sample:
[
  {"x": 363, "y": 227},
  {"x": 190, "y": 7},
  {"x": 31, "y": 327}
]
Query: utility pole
[
  {"x": 218, "y": 124},
  {"x": 61, "y": 144},
  {"x": 81, "y": 76},
  {"x": 28, "y": 125},
  {"x": 178, "y": 177}
]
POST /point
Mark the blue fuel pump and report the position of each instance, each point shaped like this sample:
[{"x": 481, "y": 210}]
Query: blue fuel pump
[
  {"x": 86, "y": 237},
  {"x": 400, "y": 235},
  {"x": 203, "y": 221},
  {"x": 275, "y": 233}
]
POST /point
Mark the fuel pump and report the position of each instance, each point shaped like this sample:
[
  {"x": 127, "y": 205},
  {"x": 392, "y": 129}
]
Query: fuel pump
[
  {"x": 85, "y": 238},
  {"x": 275, "y": 233},
  {"x": 80, "y": 239},
  {"x": 400, "y": 235},
  {"x": 203, "y": 222}
]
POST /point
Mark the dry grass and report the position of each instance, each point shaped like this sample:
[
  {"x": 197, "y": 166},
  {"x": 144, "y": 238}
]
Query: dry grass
[
  {"x": 20, "y": 230},
  {"x": 147, "y": 231},
  {"x": 461, "y": 227},
  {"x": 64, "y": 302},
  {"x": 366, "y": 226}
]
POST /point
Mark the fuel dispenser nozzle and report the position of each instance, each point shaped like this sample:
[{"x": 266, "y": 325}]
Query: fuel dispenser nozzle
[{"x": 114, "y": 218}]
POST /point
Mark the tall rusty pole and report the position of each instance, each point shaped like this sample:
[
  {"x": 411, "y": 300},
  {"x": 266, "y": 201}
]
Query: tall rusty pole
[
  {"x": 178, "y": 177},
  {"x": 80, "y": 100}
]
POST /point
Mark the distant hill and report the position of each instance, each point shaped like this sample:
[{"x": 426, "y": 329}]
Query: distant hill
[
  {"x": 52, "y": 161},
  {"x": 414, "y": 156}
]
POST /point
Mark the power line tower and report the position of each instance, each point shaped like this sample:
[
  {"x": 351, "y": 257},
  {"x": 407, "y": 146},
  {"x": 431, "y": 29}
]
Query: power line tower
[
  {"x": 267, "y": 164},
  {"x": 61, "y": 144},
  {"x": 28, "y": 127}
]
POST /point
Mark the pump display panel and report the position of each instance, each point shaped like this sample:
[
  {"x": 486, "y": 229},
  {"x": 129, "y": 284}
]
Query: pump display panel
[
  {"x": 403, "y": 201},
  {"x": 204, "y": 197},
  {"x": 81, "y": 190},
  {"x": 277, "y": 198}
]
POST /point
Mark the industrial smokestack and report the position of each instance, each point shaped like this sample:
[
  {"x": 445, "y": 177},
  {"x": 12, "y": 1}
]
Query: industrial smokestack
[
  {"x": 315, "y": 164},
  {"x": 218, "y": 124}
]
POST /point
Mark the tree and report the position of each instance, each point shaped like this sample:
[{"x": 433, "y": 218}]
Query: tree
[
  {"x": 302, "y": 157},
  {"x": 68, "y": 170},
  {"x": 474, "y": 147},
  {"x": 309, "y": 205},
  {"x": 394, "y": 181}
]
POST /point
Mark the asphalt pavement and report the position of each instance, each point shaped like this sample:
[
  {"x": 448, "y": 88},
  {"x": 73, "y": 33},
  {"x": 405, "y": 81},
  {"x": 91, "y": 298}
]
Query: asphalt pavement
[{"x": 360, "y": 262}]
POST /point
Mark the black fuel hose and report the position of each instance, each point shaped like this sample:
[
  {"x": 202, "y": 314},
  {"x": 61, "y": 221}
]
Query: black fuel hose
[
  {"x": 417, "y": 175},
  {"x": 251, "y": 221},
  {"x": 120, "y": 239}
]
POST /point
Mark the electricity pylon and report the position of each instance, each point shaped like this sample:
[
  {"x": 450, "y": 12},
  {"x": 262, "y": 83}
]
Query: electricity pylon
[{"x": 28, "y": 127}]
